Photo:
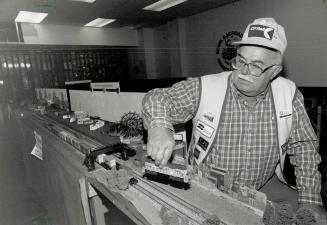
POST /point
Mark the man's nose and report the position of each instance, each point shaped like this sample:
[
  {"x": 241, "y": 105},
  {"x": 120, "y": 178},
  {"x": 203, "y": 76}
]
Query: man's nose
[{"x": 245, "y": 69}]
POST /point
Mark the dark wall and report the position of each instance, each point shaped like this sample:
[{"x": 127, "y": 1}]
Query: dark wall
[
  {"x": 8, "y": 32},
  {"x": 25, "y": 67}
]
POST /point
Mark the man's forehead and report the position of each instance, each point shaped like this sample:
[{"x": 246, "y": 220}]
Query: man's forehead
[{"x": 256, "y": 53}]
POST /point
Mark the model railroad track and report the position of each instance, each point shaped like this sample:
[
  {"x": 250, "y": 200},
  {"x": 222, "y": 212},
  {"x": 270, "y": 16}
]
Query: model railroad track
[
  {"x": 76, "y": 138},
  {"x": 80, "y": 134},
  {"x": 170, "y": 201}
]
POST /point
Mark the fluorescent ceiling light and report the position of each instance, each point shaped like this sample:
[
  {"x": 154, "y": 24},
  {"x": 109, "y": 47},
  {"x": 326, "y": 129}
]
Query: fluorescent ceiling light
[
  {"x": 163, "y": 4},
  {"x": 88, "y": 1},
  {"x": 99, "y": 22},
  {"x": 30, "y": 17}
]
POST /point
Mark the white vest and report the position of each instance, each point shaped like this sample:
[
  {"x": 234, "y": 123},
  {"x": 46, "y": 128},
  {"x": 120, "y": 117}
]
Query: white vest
[{"x": 213, "y": 96}]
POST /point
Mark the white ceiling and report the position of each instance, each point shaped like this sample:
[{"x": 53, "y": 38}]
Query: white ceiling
[{"x": 127, "y": 12}]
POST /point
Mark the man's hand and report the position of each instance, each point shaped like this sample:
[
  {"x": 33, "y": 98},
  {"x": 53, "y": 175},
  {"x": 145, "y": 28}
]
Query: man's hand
[
  {"x": 160, "y": 145},
  {"x": 318, "y": 212}
]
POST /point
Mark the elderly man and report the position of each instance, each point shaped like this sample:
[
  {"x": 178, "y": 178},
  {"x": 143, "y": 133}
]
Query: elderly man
[{"x": 245, "y": 121}]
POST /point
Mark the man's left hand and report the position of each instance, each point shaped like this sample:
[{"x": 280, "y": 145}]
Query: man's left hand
[{"x": 318, "y": 211}]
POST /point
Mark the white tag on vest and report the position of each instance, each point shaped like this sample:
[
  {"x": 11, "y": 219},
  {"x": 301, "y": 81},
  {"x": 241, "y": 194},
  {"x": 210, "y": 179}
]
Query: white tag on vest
[
  {"x": 208, "y": 117},
  {"x": 285, "y": 114},
  {"x": 205, "y": 129}
]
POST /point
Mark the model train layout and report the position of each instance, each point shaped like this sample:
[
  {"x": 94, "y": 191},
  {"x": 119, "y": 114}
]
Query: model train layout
[{"x": 177, "y": 170}]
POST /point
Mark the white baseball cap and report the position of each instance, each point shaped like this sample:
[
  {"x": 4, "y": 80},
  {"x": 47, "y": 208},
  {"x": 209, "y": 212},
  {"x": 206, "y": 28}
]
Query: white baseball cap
[{"x": 265, "y": 32}]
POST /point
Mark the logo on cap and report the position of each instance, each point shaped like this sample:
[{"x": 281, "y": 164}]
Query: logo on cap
[{"x": 261, "y": 31}]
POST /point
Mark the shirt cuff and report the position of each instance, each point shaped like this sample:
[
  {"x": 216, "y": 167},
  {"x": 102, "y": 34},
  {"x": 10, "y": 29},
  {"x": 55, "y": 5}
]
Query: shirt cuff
[{"x": 161, "y": 123}]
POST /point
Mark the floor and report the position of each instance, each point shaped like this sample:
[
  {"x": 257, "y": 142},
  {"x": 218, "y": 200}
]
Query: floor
[{"x": 18, "y": 203}]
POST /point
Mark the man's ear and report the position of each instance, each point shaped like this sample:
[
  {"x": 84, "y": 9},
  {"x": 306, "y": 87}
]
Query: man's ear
[{"x": 276, "y": 70}]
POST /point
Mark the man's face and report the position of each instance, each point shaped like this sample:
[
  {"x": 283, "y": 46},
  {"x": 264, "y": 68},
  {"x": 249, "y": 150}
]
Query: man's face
[{"x": 248, "y": 84}]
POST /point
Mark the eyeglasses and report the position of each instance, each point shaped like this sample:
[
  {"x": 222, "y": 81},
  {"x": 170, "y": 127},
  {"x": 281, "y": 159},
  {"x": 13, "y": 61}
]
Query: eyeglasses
[{"x": 254, "y": 70}]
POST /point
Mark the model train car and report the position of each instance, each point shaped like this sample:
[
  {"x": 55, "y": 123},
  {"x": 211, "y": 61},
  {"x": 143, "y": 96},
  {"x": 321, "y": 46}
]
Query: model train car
[{"x": 176, "y": 168}]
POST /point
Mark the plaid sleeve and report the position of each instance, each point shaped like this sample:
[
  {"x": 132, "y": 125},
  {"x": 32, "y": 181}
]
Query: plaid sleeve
[
  {"x": 167, "y": 106},
  {"x": 304, "y": 155}
]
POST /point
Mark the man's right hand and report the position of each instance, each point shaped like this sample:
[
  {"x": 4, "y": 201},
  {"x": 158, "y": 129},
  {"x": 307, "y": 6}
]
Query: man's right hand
[{"x": 160, "y": 145}]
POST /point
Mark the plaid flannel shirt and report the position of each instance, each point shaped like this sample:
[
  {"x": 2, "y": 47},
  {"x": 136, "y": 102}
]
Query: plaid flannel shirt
[{"x": 246, "y": 144}]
